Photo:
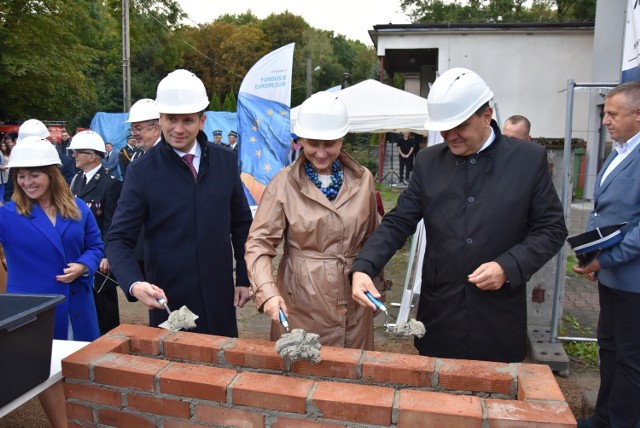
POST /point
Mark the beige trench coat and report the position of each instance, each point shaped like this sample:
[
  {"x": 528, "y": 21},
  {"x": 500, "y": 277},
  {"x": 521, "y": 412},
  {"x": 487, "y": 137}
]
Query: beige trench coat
[{"x": 321, "y": 240}]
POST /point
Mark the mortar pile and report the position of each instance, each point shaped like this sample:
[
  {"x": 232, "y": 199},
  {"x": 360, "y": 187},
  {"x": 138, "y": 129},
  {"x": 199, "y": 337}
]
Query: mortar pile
[
  {"x": 299, "y": 345},
  {"x": 408, "y": 328},
  {"x": 183, "y": 318}
]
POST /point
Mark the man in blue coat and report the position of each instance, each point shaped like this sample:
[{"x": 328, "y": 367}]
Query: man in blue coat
[
  {"x": 492, "y": 219},
  {"x": 187, "y": 194},
  {"x": 617, "y": 269}
]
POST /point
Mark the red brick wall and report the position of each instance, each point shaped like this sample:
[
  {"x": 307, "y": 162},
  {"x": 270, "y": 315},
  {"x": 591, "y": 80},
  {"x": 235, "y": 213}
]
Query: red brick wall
[{"x": 144, "y": 377}]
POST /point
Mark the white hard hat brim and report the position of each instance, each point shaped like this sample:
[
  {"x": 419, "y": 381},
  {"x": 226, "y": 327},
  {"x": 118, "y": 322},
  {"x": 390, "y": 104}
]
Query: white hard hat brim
[{"x": 315, "y": 134}]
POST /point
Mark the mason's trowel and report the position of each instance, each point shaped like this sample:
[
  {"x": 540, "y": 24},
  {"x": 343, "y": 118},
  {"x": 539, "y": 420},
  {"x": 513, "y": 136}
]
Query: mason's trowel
[{"x": 183, "y": 318}]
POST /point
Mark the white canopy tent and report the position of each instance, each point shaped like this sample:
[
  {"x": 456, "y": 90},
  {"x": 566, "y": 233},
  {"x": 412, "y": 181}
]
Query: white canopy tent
[{"x": 378, "y": 108}]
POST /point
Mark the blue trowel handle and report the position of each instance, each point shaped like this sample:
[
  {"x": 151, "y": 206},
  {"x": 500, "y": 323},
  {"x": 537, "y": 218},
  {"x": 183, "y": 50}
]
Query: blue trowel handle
[{"x": 376, "y": 302}]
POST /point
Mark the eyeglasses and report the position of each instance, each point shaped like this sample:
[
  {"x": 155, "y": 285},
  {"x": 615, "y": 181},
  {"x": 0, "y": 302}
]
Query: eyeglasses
[{"x": 138, "y": 129}]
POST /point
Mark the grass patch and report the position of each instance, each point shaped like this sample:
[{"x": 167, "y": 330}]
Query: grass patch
[
  {"x": 584, "y": 352},
  {"x": 571, "y": 261}
]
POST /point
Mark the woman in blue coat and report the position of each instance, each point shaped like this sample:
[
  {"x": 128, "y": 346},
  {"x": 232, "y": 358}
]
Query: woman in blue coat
[{"x": 52, "y": 245}]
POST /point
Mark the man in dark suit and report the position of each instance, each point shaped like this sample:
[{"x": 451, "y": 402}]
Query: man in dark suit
[
  {"x": 492, "y": 219},
  {"x": 128, "y": 153},
  {"x": 93, "y": 184},
  {"x": 233, "y": 141},
  {"x": 617, "y": 269},
  {"x": 190, "y": 240}
]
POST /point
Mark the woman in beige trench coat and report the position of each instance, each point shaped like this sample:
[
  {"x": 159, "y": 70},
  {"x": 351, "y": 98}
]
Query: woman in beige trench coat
[{"x": 324, "y": 208}]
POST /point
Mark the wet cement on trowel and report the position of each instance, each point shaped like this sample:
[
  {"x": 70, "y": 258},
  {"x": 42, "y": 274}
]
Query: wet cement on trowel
[
  {"x": 412, "y": 327},
  {"x": 183, "y": 318},
  {"x": 299, "y": 345}
]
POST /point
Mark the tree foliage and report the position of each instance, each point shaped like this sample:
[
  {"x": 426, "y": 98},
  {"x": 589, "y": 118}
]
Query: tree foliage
[
  {"x": 62, "y": 59},
  {"x": 479, "y": 11}
]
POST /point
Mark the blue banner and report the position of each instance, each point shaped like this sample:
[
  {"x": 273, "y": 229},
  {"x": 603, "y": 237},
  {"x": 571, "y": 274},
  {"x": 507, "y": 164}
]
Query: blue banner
[{"x": 264, "y": 101}]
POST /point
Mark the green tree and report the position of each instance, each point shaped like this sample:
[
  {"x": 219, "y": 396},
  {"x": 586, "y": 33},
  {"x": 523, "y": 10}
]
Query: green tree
[
  {"x": 43, "y": 60},
  {"x": 472, "y": 11}
]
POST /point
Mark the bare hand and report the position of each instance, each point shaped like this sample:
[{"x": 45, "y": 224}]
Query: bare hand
[
  {"x": 104, "y": 266},
  {"x": 72, "y": 272},
  {"x": 241, "y": 297},
  {"x": 589, "y": 271},
  {"x": 148, "y": 294},
  {"x": 360, "y": 284},
  {"x": 271, "y": 307},
  {"x": 488, "y": 276}
]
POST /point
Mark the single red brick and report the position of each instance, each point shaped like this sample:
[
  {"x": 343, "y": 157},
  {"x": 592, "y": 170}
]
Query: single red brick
[
  {"x": 507, "y": 413},
  {"x": 437, "y": 409},
  {"x": 385, "y": 367},
  {"x": 79, "y": 412},
  {"x": 257, "y": 354},
  {"x": 229, "y": 417},
  {"x": 202, "y": 348},
  {"x": 122, "y": 419},
  {"x": 363, "y": 404},
  {"x": 283, "y": 422},
  {"x": 77, "y": 364},
  {"x": 159, "y": 406},
  {"x": 191, "y": 380},
  {"x": 129, "y": 371},
  {"x": 274, "y": 392},
  {"x": 536, "y": 382},
  {"x": 142, "y": 339},
  {"x": 93, "y": 394},
  {"x": 334, "y": 362},
  {"x": 476, "y": 376}
]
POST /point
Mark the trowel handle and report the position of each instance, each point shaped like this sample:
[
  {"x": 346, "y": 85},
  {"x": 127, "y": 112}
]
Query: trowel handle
[
  {"x": 376, "y": 302},
  {"x": 164, "y": 303},
  {"x": 283, "y": 319}
]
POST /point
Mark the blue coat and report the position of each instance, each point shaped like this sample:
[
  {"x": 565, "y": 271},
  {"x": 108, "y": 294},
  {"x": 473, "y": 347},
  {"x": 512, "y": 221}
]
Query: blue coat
[
  {"x": 615, "y": 201},
  {"x": 192, "y": 232},
  {"x": 37, "y": 251}
]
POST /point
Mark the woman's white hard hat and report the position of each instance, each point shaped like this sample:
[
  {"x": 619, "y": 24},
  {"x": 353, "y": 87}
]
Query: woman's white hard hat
[
  {"x": 143, "y": 110},
  {"x": 322, "y": 117},
  {"x": 33, "y": 152},
  {"x": 454, "y": 97},
  {"x": 87, "y": 140},
  {"x": 32, "y": 128},
  {"x": 181, "y": 92}
]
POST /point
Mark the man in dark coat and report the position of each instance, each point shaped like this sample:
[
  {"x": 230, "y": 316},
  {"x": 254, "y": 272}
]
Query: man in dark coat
[
  {"x": 492, "y": 219},
  {"x": 93, "y": 184},
  {"x": 193, "y": 227},
  {"x": 128, "y": 153}
]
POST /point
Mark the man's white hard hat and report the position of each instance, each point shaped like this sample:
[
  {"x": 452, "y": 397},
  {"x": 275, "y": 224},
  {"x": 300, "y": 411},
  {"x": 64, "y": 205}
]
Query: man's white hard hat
[
  {"x": 87, "y": 140},
  {"x": 454, "y": 97},
  {"x": 33, "y": 151},
  {"x": 32, "y": 128},
  {"x": 143, "y": 110},
  {"x": 322, "y": 117},
  {"x": 181, "y": 92}
]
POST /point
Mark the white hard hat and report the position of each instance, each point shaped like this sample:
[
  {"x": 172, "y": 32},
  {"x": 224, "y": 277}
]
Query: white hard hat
[
  {"x": 322, "y": 117},
  {"x": 143, "y": 110},
  {"x": 32, "y": 128},
  {"x": 454, "y": 97},
  {"x": 33, "y": 151},
  {"x": 181, "y": 92},
  {"x": 87, "y": 140}
]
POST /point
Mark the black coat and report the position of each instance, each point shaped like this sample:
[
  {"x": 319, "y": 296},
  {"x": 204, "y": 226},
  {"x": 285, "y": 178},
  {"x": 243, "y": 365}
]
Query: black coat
[
  {"x": 498, "y": 205},
  {"x": 189, "y": 229},
  {"x": 95, "y": 194}
]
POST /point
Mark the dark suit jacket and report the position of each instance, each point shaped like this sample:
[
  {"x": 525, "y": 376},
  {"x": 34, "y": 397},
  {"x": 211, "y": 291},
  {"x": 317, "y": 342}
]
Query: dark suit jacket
[
  {"x": 615, "y": 201},
  {"x": 95, "y": 195},
  {"x": 189, "y": 229},
  {"x": 498, "y": 205}
]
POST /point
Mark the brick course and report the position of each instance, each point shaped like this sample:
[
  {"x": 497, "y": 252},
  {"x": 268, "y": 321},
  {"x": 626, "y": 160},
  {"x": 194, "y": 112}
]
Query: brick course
[{"x": 142, "y": 376}]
